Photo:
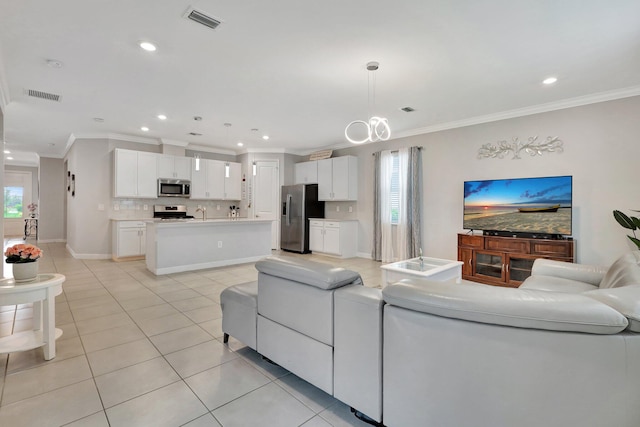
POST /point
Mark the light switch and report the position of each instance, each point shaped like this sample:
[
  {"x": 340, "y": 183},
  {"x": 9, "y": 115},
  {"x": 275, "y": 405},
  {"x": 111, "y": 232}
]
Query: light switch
[
  {"x": 338, "y": 208},
  {"x": 145, "y": 207},
  {"x": 116, "y": 207},
  {"x": 350, "y": 209}
]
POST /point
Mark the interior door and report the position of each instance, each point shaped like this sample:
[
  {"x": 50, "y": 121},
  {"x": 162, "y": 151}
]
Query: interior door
[{"x": 266, "y": 200}]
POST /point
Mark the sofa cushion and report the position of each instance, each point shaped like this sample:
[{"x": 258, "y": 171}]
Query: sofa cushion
[
  {"x": 625, "y": 271},
  {"x": 311, "y": 273},
  {"x": 625, "y": 299},
  {"x": 556, "y": 284},
  {"x": 522, "y": 308}
]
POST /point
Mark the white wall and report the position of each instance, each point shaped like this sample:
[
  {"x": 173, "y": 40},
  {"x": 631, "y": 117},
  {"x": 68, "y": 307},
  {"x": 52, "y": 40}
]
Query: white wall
[
  {"x": 601, "y": 151},
  {"x": 88, "y": 228},
  {"x": 51, "y": 225}
]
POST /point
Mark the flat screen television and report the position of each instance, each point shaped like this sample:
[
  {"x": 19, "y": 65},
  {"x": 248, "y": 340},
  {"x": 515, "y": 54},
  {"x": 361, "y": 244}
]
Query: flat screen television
[{"x": 531, "y": 207}]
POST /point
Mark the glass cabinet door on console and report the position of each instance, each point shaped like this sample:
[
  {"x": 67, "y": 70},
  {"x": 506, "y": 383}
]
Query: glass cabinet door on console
[
  {"x": 490, "y": 265},
  {"x": 519, "y": 268}
]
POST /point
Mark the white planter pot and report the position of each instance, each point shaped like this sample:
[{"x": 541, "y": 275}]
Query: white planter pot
[{"x": 25, "y": 271}]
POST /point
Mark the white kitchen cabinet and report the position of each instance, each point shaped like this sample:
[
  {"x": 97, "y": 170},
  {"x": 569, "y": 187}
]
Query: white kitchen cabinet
[
  {"x": 135, "y": 174},
  {"x": 129, "y": 239},
  {"x": 338, "y": 178},
  {"x": 211, "y": 182},
  {"x": 306, "y": 172},
  {"x": 334, "y": 237},
  {"x": 233, "y": 183},
  {"x": 174, "y": 167}
]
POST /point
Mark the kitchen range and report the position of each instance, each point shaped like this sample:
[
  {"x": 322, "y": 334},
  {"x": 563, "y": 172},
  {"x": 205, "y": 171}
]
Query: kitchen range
[{"x": 175, "y": 212}]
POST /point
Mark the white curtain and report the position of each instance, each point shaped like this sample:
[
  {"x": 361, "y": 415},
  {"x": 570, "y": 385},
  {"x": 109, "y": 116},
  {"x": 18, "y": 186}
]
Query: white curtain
[
  {"x": 386, "y": 171},
  {"x": 403, "y": 234}
]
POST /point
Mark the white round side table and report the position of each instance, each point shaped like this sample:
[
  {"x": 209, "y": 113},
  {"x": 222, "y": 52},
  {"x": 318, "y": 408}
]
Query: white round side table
[{"x": 40, "y": 291}]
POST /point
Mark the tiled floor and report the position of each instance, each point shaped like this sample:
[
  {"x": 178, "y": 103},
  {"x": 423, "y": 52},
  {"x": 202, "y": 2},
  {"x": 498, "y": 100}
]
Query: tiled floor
[{"x": 145, "y": 350}]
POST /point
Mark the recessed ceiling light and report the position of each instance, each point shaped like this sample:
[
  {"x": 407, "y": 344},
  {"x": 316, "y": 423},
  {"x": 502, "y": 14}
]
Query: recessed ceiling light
[
  {"x": 240, "y": 144},
  {"x": 9, "y": 158},
  {"x": 7, "y": 152},
  {"x": 162, "y": 117},
  {"x": 265, "y": 137},
  {"x": 550, "y": 80},
  {"x": 149, "y": 47},
  {"x": 144, "y": 129}
]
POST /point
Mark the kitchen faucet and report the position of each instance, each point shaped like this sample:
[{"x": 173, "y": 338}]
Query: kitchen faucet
[{"x": 204, "y": 212}]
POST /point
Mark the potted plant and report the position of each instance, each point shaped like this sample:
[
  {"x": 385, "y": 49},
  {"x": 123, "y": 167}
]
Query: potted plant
[
  {"x": 24, "y": 258},
  {"x": 32, "y": 207},
  {"x": 630, "y": 222}
]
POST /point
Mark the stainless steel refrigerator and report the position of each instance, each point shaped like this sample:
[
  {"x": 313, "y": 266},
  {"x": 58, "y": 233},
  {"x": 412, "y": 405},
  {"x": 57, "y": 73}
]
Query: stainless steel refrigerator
[{"x": 299, "y": 203}]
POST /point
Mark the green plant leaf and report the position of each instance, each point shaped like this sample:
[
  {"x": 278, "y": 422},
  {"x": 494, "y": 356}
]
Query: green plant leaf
[
  {"x": 636, "y": 221},
  {"x": 624, "y": 220},
  {"x": 634, "y": 240}
]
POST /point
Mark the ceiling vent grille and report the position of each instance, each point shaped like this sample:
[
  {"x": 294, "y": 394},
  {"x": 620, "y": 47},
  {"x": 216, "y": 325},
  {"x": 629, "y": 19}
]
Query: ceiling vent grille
[
  {"x": 201, "y": 18},
  {"x": 408, "y": 109},
  {"x": 42, "y": 95}
]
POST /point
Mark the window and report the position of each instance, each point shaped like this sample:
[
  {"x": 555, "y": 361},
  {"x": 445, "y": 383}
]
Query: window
[
  {"x": 394, "y": 197},
  {"x": 13, "y": 202}
]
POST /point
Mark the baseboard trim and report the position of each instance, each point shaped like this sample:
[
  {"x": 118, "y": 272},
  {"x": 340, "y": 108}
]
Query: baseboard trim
[{"x": 87, "y": 256}]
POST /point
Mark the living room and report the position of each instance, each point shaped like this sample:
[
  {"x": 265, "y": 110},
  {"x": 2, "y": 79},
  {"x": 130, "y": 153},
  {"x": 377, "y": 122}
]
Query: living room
[{"x": 592, "y": 109}]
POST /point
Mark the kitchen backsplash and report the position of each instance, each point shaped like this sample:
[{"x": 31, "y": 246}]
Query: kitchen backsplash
[
  {"x": 143, "y": 208},
  {"x": 341, "y": 210}
]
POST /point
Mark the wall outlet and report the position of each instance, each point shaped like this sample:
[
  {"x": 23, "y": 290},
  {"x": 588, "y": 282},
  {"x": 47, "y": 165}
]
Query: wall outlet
[
  {"x": 137, "y": 207},
  {"x": 100, "y": 206},
  {"x": 219, "y": 243},
  {"x": 338, "y": 208},
  {"x": 145, "y": 207},
  {"x": 199, "y": 207},
  {"x": 116, "y": 207},
  {"x": 350, "y": 209},
  {"x": 217, "y": 207}
]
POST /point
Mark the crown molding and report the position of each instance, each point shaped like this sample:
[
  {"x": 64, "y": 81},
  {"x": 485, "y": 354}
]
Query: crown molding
[
  {"x": 207, "y": 149},
  {"x": 175, "y": 142},
  {"x": 527, "y": 111}
]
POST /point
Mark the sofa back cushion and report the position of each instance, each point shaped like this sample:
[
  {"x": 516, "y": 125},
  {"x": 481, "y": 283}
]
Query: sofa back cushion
[
  {"x": 522, "y": 308},
  {"x": 323, "y": 276},
  {"x": 625, "y": 299},
  {"x": 625, "y": 271}
]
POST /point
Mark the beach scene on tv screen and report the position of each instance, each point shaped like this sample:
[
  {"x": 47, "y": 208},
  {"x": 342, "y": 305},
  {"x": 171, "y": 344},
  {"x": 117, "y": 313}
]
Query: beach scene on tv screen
[{"x": 528, "y": 205}]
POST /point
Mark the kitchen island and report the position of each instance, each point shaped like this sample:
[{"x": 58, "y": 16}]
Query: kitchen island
[{"x": 185, "y": 245}]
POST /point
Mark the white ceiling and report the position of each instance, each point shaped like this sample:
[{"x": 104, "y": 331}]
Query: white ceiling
[{"x": 295, "y": 69}]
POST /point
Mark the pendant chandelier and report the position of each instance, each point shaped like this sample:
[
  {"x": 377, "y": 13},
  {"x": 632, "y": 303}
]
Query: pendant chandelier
[{"x": 376, "y": 128}]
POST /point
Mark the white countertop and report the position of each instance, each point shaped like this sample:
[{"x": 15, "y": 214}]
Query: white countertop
[
  {"x": 332, "y": 219},
  {"x": 182, "y": 220},
  {"x": 212, "y": 221}
]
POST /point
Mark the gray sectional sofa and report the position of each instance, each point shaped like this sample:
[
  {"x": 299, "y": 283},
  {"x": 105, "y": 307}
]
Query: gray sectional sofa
[{"x": 562, "y": 350}]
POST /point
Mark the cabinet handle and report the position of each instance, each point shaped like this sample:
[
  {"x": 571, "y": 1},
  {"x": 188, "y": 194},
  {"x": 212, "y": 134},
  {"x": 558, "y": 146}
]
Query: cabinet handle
[{"x": 507, "y": 265}]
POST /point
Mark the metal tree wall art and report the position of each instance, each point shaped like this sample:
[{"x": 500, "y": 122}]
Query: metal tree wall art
[{"x": 531, "y": 147}]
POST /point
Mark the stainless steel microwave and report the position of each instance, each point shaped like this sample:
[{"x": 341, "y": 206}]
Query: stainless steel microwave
[{"x": 174, "y": 188}]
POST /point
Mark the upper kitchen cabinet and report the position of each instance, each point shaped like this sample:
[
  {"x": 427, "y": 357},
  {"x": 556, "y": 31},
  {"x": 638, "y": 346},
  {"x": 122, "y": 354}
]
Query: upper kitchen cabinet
[
  {"x": 233, "y": 181},
  {"x": 338, "y": 178},
  {"x": 135, "y": 174},
  {"x": 306, "y": 172},
  {"x": 211, "y": 181},
  {"x": 174, "y": 167}
]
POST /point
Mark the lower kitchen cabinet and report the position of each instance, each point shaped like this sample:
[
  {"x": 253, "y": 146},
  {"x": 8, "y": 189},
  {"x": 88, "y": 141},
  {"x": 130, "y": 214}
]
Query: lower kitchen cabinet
[
  {"x": 334, "y": 237},
  {"x": 129, "y": 239}
]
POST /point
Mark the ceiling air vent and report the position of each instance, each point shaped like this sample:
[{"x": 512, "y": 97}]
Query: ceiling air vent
[
  {"x": 195, "y": 134},
  {"x": 202, "y": 18},
  {"x": 408, "y": 109},
  {"x": 42, "y": 95}
]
